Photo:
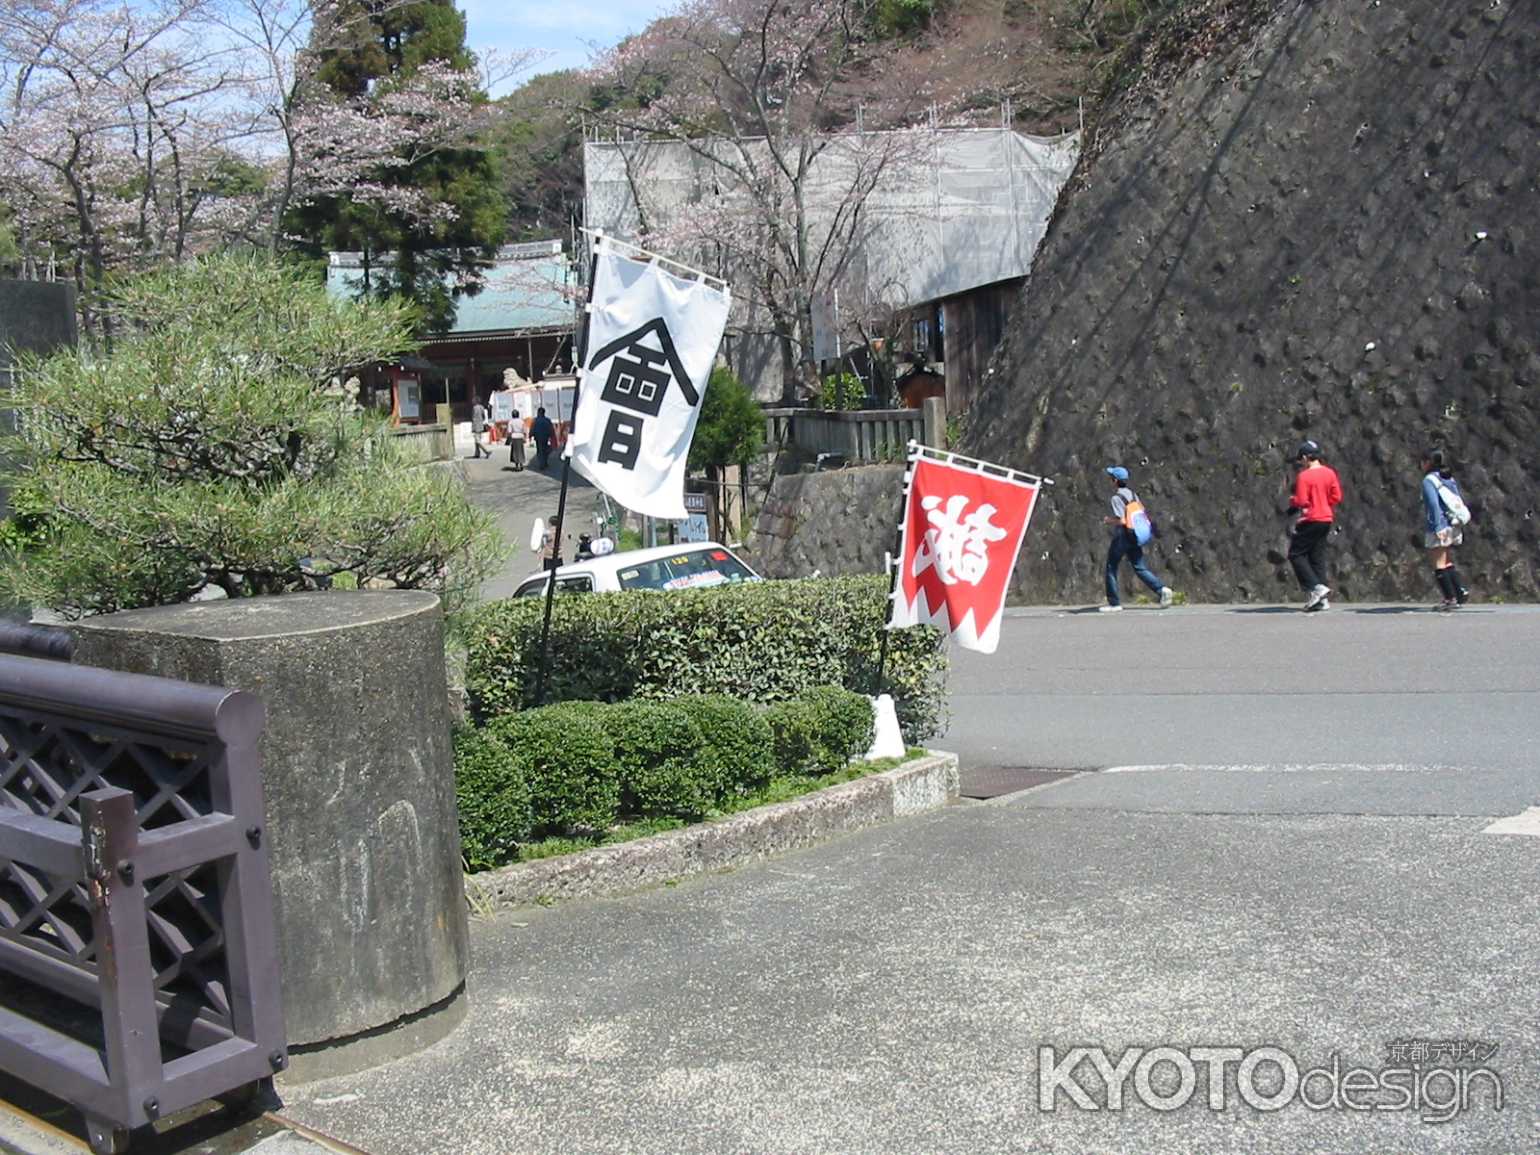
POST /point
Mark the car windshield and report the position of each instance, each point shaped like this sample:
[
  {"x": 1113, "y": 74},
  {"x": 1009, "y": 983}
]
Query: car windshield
[
  {"x": 580, "y": 584},
  {"x": 703, "y": 567}
]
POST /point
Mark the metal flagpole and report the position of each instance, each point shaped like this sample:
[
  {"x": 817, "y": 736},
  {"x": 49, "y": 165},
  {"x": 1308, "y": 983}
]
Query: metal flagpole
[
  {"x": 896, "y": 561},
  {"x": 916, "y": 452},
  {"x": 647, "y": 255},
  {"x": 566, "y": 474}
]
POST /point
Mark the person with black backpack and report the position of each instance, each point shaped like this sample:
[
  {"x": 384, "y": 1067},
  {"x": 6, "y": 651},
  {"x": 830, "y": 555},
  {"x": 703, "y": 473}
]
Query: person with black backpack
[
  {"x": 1132, "y": 530},
  {"x": 1445, "y": 514}
]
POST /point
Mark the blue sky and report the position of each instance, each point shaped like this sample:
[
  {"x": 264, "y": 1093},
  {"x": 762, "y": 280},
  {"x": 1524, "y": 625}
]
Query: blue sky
[{"x": 567, "y": 29}]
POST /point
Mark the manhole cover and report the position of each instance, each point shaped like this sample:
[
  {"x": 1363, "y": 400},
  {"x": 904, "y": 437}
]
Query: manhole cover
[{"x": 994, "y": 781}]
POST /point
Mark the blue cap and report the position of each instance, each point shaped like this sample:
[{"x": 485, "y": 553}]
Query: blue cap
[{"x": 1118, "y": 471}]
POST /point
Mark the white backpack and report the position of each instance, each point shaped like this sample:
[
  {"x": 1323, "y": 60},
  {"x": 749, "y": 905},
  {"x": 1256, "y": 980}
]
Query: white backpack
[{"x": 1454, "y": 506}]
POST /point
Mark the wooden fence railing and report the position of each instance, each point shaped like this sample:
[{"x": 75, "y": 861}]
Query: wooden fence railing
[
  {"x": 426, "y": 442},
  {"x": 858, "y": 434}
]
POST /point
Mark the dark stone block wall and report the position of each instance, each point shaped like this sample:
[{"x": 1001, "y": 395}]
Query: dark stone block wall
[
  {"x": 836, "y": 523},
  {"x": 35, "y": 316},
  {"x": 1324, "y": 225}
]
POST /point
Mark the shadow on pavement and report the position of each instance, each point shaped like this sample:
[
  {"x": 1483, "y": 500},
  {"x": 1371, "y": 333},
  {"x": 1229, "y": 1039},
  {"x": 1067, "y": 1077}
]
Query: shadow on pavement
[{"x": 208, "y": 1128}]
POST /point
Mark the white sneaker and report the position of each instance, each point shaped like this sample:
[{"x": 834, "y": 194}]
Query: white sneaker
[
  {"x": 1317, "y": 596},
  {"x": 1166, "y": 597},
  {"x": 1109, "y": 609}
]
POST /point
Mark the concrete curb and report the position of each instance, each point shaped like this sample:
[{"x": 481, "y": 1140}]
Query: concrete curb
[{"x": 925, "y": 783}]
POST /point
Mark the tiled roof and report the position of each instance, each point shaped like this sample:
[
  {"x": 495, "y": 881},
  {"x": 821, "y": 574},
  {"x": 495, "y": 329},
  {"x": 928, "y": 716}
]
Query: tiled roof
[{"x": 523, "y": 290}]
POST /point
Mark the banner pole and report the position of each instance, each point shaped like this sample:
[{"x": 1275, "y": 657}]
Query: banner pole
[
  {"x": 566, "y": 477},
  {"x": 897, "y": 560}
]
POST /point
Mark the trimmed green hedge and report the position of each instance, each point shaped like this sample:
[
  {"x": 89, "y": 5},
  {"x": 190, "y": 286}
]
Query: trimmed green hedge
[
  {"x": 577, "y": 767},
  {"x": 658, "y": 751},
  {"x": 492, "y": 794},
  {"x": 568, "y": 759},
  {"x": 735, "y": 743},
  {"x": 761, "y": 642}
]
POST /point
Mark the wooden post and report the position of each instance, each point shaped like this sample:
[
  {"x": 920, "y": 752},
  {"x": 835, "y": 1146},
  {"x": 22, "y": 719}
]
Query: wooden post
[{"x": 934, "y": 411}]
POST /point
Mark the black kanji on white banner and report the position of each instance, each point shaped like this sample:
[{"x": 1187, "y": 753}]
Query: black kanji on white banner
[{"x": 638, "y": 379}]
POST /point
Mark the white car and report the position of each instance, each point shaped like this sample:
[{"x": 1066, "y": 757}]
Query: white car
[{"x": 668, "y": 567}]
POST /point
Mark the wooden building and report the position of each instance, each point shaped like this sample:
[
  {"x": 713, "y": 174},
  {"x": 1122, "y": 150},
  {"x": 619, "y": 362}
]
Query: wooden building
[{"x": 522, "y": 319}]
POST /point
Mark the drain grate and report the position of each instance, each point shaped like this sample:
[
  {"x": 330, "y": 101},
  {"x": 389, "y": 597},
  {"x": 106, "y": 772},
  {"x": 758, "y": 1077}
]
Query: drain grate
[{"x": 993, "y": 781}]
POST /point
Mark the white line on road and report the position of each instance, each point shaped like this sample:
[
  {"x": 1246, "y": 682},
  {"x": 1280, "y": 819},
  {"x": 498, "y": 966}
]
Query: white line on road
[
  {"x": 1525, "y": 823},
  {"x": 1289, "y": 767}
]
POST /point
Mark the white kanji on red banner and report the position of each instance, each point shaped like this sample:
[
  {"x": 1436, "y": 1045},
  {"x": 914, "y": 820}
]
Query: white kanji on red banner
[{"x": 962, "y": 530}]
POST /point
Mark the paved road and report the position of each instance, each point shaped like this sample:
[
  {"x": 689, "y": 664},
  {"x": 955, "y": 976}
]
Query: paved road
[
  {"x": 1373, "y": 685},
  {"x": 515, "y": 500},
  {"x": 1318, "y": 876}
]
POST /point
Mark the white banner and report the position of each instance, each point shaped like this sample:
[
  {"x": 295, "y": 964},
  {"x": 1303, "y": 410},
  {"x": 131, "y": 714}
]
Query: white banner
[{"x": 652, "y": 338}]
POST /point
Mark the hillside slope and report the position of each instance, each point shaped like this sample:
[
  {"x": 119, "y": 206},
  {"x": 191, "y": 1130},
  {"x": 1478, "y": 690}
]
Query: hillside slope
[{"x": 1325, "y": 224}]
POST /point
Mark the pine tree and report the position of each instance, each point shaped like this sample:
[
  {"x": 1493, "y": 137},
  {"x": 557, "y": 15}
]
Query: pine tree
[{"x": 437, "y": 207}]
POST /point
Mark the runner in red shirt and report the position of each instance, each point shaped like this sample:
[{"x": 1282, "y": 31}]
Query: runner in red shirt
[{"x": 1317, "y": 491}]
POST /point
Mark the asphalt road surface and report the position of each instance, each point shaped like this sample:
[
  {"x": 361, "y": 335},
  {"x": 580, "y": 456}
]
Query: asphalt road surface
[
  {"x": 515, "y": 500},
  {"x": 1449, "y": 700},
  {"x": 1319, "y": 846}
]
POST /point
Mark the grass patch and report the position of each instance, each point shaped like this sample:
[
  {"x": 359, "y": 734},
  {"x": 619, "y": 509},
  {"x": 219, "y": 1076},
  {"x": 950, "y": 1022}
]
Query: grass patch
[
  {"x": 782, "y": 788},
  {"x": 553, "y": 848}
]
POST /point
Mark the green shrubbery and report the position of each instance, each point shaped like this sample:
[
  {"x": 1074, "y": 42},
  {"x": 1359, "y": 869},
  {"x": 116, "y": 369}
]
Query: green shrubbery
[
  {"x": 820, "y": 730},
  {"x": 658, "y": 758},
  {"x": 576, "y": 768},
  {"x": 216, "y": 446},
  {"x": 735, "y": 742},
  {"x": 567, "y": 756},
  {"x": 492, "y": 792},
  {"x": 762, "y": 642}
]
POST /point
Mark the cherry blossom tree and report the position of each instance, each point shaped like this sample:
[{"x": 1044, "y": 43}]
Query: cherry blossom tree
[
  {"x": 796, "y": 110},
  {"x": 115, "y": 132},
  {"x": 134, "y": 134},
  {"x": 399, "y": 159}
]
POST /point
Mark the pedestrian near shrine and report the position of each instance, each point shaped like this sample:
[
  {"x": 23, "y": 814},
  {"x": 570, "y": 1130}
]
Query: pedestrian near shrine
[
  {"x": 1132, "y": 529},
  {"x": 1445, "y": 514},
  {"x": 1317, "y": 493},
  {"x": 516, "y": 442},
  {"x": 479, "y": 429},
  {"x": 544, "y": 433}
]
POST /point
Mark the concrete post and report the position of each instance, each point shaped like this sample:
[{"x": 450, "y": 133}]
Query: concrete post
[
  {"x": 444, "y": 443},
  {"x": 35, "y": 317},
  {"x": 358, "y": 778},
  {"x": 933, "y": 410}
]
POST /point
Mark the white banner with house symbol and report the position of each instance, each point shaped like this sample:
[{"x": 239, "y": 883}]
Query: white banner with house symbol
[{"x": 653, "y": 338}]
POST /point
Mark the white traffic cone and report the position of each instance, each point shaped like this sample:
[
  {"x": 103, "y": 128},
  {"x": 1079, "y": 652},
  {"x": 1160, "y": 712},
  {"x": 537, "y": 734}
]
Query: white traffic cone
[{"x": 889, "y": 740}]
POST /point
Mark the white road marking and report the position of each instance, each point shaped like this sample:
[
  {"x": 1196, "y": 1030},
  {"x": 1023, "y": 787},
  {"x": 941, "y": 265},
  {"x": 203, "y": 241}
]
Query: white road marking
[
  {"x": 1526, "y": 823},
  {"x": 1290, "y": 767}
]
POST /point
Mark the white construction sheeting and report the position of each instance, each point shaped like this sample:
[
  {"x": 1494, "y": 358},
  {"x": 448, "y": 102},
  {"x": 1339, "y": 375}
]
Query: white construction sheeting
[{"x": 954, "y": 209}]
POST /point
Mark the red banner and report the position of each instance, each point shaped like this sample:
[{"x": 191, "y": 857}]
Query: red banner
[{"x": 962, "y": 532}]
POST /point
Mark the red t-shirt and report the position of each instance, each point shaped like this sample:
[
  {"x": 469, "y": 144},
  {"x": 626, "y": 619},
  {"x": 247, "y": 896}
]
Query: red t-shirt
[{"x": 1316, "y": 490}]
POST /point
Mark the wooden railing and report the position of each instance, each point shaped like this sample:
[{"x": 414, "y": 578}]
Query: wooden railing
[
  {"x": 857, "y": 434},
  {"x": 134, "y": 889},
  {"x": 426, "y": 442}
]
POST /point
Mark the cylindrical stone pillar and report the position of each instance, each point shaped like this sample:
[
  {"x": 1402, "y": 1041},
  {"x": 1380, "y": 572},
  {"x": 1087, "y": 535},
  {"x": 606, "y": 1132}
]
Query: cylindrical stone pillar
[{"x": 358, "y": 778}]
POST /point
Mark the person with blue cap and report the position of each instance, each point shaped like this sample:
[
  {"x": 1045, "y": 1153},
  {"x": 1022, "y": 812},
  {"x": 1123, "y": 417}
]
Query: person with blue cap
[{"x": 1131, "y": 530}]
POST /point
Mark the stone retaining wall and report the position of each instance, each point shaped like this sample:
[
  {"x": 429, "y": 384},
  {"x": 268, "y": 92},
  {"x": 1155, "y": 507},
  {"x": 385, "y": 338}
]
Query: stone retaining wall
[{"x": 837, "y": 523}]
